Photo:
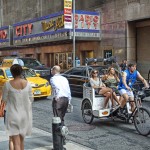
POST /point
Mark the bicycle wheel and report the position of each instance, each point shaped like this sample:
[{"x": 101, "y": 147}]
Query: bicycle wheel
[
  {"x": 87, "y": 112},
  {"x": 142, "y": 121}
]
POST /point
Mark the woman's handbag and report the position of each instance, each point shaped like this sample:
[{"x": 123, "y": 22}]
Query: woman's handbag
[{"x": 2, "y": 108}]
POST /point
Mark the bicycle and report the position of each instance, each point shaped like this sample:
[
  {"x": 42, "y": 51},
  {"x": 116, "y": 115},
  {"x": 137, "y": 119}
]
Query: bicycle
[
  {"x": 92, "y": 107},
  {"x": 140, "y": 116}
]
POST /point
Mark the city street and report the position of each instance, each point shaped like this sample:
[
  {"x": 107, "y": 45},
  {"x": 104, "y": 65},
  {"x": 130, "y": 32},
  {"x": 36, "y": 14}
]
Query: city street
[{"x": 100, "y": 135}]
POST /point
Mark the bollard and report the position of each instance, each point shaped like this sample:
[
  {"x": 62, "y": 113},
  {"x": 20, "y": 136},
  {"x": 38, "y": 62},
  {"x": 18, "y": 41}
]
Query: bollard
[{"x": 57, "y": 136}]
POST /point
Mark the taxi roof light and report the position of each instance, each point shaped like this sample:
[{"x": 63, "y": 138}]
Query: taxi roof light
[{"x": 9, "y": 62}]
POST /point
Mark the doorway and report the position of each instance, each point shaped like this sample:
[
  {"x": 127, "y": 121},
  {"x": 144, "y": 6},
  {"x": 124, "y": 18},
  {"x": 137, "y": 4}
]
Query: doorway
[{"x": 86, "y": 54}]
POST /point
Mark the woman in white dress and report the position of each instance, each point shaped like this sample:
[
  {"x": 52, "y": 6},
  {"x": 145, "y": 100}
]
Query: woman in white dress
[{"x": 17, "y": 94}]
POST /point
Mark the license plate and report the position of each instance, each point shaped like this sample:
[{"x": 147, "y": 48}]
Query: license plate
[{"x": 37, "y": 92}]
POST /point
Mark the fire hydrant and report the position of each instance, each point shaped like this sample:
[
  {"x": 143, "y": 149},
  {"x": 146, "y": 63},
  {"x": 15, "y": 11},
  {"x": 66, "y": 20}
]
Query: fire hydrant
[{"x": 59, "y": 133}]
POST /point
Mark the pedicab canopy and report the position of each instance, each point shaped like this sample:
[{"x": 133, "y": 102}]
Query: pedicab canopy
[{"x": 112, "y": 61}]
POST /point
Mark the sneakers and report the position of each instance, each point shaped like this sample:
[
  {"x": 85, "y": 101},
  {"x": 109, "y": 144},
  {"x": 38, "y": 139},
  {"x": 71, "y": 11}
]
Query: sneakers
[
  {"x": 121, "y": 112},
  {"x": 115, "y": 108}
]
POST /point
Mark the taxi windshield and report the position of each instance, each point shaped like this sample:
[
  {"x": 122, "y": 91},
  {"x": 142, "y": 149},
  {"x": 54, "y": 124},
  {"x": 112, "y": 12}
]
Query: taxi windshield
[
  {"x": 31, "y": 63},
  {"x": 28, "y": 73},
  {"x": 8, "y": 73}
]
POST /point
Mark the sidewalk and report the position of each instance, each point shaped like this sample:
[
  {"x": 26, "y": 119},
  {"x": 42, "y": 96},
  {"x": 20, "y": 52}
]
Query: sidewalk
[{"x": 40, "y": 140}]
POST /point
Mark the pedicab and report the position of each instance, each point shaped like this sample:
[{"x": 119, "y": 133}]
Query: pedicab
[{"x": 92, "y": 105}]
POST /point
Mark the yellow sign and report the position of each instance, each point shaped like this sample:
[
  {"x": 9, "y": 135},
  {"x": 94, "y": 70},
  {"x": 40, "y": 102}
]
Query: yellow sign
[
  {"x": 56, "y": 24},
  {"x": 68, "y": 4}
]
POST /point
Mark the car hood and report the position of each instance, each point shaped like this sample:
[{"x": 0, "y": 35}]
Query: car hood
[{"x": 36, "y": 80}]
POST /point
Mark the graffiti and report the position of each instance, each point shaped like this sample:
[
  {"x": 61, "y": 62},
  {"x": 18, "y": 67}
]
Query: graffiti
[{"x": 118, "y": 26}]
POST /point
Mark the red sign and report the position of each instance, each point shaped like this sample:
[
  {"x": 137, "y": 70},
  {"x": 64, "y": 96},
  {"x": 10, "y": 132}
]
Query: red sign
[
  {"x": 24, "y": 29},
  {"x": 3, "y": 34},
  {"x": 67, "y": 11},
  {"x": 86, "y": 21},
  {"x": 68, "y": 18}
]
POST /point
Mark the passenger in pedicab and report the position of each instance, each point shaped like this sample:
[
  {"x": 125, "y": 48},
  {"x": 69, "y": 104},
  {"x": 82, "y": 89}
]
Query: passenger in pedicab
[
  {"x": 111, "y": 80},
  {"x": 100, "y": 87}
]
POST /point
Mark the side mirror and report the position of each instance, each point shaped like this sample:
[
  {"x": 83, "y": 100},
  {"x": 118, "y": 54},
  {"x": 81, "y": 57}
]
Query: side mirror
[
  {"x": 37, "y": 74},
  {"x": 1, "y": 77}
]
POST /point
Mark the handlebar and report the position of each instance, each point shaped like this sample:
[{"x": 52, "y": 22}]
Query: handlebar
[{"x": 110, "y": 59}]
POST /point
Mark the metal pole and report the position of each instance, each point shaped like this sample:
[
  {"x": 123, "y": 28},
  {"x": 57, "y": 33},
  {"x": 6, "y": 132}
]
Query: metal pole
[
  {"x": 74, "y": 53},
  {"x": 1, "y": 13}
]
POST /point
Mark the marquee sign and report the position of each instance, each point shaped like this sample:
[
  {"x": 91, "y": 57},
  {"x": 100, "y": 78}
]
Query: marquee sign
[
  {"x": 52, "y": 27},
  {"x": 4, "y": 36}
]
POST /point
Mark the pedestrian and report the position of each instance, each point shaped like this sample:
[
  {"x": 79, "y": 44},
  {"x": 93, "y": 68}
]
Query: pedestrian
[
  {"x": 61, "y": 93},
  {"x": 123, "y": 65},
  {"x": 17, "y": 95}
]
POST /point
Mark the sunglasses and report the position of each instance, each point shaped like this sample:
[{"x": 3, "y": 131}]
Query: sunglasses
[{"x": 95, "y": 72}]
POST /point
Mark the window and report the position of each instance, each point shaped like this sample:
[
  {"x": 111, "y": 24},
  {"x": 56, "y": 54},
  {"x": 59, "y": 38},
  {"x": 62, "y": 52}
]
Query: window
[
  {"x": 8, "y": 73},
  {"x": 1, "y": 73}
]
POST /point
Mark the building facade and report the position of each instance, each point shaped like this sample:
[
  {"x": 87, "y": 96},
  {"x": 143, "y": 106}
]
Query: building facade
[
  {"x": 125, "y": 26},
  {"x": 124, "y": 31}
]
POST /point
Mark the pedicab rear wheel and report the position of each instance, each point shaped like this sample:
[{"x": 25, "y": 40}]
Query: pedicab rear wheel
[
  {"x": 142, "y": 121},
  {"x": 87, "y": 113}
]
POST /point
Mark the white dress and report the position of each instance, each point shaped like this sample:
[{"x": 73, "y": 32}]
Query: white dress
[{"x": 18, "y": 109}]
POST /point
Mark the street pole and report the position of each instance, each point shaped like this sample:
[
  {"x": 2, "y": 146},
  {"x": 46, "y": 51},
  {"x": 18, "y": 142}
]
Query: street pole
[{"x": 74, "y": 46}]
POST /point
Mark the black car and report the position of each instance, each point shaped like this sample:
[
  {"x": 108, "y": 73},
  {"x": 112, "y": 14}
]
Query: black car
[{"x": 78, "y": 76}]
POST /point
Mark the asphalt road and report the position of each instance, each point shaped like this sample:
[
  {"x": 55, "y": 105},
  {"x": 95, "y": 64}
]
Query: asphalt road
[{"x": 100, "y": 135}]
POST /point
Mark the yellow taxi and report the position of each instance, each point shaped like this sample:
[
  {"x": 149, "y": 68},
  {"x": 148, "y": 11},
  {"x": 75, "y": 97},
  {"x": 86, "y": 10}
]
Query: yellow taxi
[{"x": 40, "y": 86}]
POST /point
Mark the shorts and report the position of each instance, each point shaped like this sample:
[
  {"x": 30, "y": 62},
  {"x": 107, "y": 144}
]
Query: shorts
[{"x": 124, "y": 91}]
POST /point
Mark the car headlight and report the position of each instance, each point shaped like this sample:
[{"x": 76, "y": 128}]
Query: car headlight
[
  {"x": 34, "y": 85},
  {"x": 47, "y": 84}
]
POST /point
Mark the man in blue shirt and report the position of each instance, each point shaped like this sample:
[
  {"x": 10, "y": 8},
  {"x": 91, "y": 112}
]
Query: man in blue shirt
[{"x": 129, "y": 77}]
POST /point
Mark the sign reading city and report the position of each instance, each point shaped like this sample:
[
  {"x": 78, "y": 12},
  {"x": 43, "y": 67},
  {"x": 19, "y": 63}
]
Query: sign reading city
[
  {"x": 24, "y": 29},
  {"x": 86, "y": 21},
  {"x": 4, "y": 36}
]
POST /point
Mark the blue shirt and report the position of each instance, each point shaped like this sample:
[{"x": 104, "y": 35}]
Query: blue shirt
[{"x": 130, "y": 79}]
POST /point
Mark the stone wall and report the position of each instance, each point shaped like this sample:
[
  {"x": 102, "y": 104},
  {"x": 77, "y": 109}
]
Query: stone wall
[
  {"x": 118, "y": 33},
  {"x": 13, "y": 11}
]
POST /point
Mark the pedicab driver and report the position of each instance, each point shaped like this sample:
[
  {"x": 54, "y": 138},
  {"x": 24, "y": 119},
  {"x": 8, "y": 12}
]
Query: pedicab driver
[
  {"x": 129, "y": 77},
  {"x": 61, "y": 93}
]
